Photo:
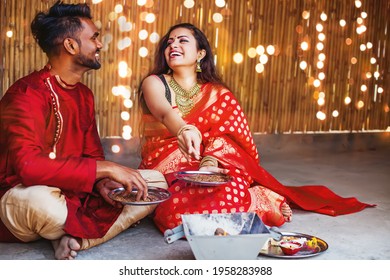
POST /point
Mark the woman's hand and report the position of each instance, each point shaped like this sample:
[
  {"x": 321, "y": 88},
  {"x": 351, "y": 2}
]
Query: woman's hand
[
  {"x": 189, "y": 143},
  {"x": 214, "y": 169},
  {"x": 189, "y": 139}
]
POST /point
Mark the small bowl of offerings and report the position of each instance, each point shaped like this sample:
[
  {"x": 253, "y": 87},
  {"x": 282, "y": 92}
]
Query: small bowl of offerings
[{"x": 290, "y": 247}]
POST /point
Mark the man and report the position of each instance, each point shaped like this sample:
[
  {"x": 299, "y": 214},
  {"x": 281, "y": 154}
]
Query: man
[{"x": 54, "y": 179}]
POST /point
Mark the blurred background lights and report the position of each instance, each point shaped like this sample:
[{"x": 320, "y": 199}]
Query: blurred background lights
[
  {"x": 368, "y": 75},
  {"x": 361, "y": 29},
  {"x": 154, "y": 37},
  {"x": 369, "y": 45},
  {"x": 372, "y": 60},
  {"x": 125, "y": 115},
  {"x": 220, "y": 3},
  {"x": 305, "y": 14},
  {"x": 347, "y": 100},
  {"x": 270, "y": 49},
  {"x": 321, "y": 36},
  {"x": 321, "y": 76},
  {"x": 342, "y": 22},
  {"x": 112, "y": 16},
  {"x": 358, "y": 4},
  {"x": 321, "y": 101},
  {"x": 316, "y": 83},
  {"x": 321, "y": 94},
  {"x": 142, "y": 15},
  {"x": 189, "y": 4},
  {"x": 320, "y": 64},
  {"x": 376, "y": 74},
  {"x": 126, "y": 132},
  {"x": 363, "y": 15},
  {"x": 320, "y": 46},
  {"x": 360, "y": 104},
  {"x": 128, "y": 103},
  {"x": 124, "y": 43},
  {"x": 259, "y": 68},
  {"x": 335, "y": 113},
  {"x": 321, "y": 57},
  {"x": 115, "y": 149},
  {"x": 304, "y": 45},
  {"x": 348, "y": 41},
  {"x": 359, "y": 20},
  {"x": 380, "y": 90},
  {"x": 321, "y": 115},
  {"x": 126, "y": 135},
  {"x": 118, "y": 8},
  {"x": 323, "y": 16},
  {"x": 141, "y": 2},
  {"x": 353, "y": 60},
  {"x": 96, "y": 1},
  {"x": 217, "y": 17},
  {"x": 319, "y": 27},
  {"x": 303, "y": 65},
  {"x": 143, "y": 34},
  {"x": 252, "y": 52},
  {"x": 9, "y": 33},
  {"x": 263, "y": 58},
  {"x": 363, "y": 88},
  {"x": 143, "y": 52},
  {"x": 122, "y": 69},
  {"x": 150, "y": 17},
  {"x": 260, "y": 49},
  {"x": 238, "y": 57}
]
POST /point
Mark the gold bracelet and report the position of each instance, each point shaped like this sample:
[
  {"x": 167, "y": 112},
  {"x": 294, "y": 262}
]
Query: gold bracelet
[
  {"x": 208, "y": 161},
  {"x": 189, "y": 127}
]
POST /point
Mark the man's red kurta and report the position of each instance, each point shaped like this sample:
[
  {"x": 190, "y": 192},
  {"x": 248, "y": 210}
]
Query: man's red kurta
[{"x": 27, "y": 129}]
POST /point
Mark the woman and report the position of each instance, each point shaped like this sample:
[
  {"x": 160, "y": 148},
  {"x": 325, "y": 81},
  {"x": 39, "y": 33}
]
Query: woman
[{"x": 193, "y": 122}]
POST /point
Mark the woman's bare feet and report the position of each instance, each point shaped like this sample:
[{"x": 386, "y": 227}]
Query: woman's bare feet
[
  {"x": 286, "y": 212},
  {"x": 66, "y": 248}
]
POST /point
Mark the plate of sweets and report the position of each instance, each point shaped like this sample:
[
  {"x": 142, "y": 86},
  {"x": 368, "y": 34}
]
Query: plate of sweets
[
  {"x": 155, "y": 196},
  {"x": 205, "y": 178}
]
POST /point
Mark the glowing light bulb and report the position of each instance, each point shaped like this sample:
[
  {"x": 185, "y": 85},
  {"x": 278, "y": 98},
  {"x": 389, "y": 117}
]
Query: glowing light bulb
[
  {"x": 238, "y": 58},
  {"x": 217, "y": 17},
  {"x": 252, "y": 52},
  {"x": 303, "y": 65},
  {"x": 259, "y": 68},
  {"x": 115, "y": 149}
]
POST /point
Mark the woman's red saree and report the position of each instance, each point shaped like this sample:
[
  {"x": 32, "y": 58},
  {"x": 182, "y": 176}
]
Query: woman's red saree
[{"x": 226, "y": 136}]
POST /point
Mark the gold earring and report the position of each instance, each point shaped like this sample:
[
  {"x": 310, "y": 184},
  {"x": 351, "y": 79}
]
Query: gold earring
[{"x": 198, "y": 68}]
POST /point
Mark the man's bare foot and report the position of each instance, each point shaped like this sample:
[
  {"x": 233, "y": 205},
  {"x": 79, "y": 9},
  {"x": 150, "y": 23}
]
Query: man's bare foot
[
  {"x": 66, "y": 248},
  {"x": 286, "y": 212}
]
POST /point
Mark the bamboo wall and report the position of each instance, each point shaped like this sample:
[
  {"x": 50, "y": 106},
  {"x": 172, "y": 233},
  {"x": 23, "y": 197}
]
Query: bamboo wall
[{"x": 281, "y": 99}]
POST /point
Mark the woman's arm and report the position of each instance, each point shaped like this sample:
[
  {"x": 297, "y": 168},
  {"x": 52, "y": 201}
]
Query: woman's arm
[{"x": 189, "y": 137}]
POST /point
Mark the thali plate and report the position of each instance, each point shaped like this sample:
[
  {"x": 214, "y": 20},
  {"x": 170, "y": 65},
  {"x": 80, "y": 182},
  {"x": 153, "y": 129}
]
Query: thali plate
[
  {"x": 312, "y": 246},
  {"x": 205, "y": 178},
  {"x": 155, "y": 196}
]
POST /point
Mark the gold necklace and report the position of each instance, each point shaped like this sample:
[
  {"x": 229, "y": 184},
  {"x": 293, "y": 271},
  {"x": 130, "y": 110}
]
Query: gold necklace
[{"x": 183, "y": 97}]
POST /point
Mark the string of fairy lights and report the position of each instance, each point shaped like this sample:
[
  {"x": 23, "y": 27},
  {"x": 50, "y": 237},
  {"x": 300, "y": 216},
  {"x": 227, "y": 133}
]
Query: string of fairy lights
[{"x": 312, "y": 59}]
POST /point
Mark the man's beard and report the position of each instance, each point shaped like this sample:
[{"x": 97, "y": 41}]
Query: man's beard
[{"x": 88, "y": 62}]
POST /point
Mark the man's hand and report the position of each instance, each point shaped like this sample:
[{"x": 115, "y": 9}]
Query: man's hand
[
  {"x": 106, "y": 185},
  {"x": 126, "y": 177}
]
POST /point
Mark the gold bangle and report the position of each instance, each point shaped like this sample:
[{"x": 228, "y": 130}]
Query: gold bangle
[
  {"x": 208, "y": 161},
  {"x": 189, "y": 127}
]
